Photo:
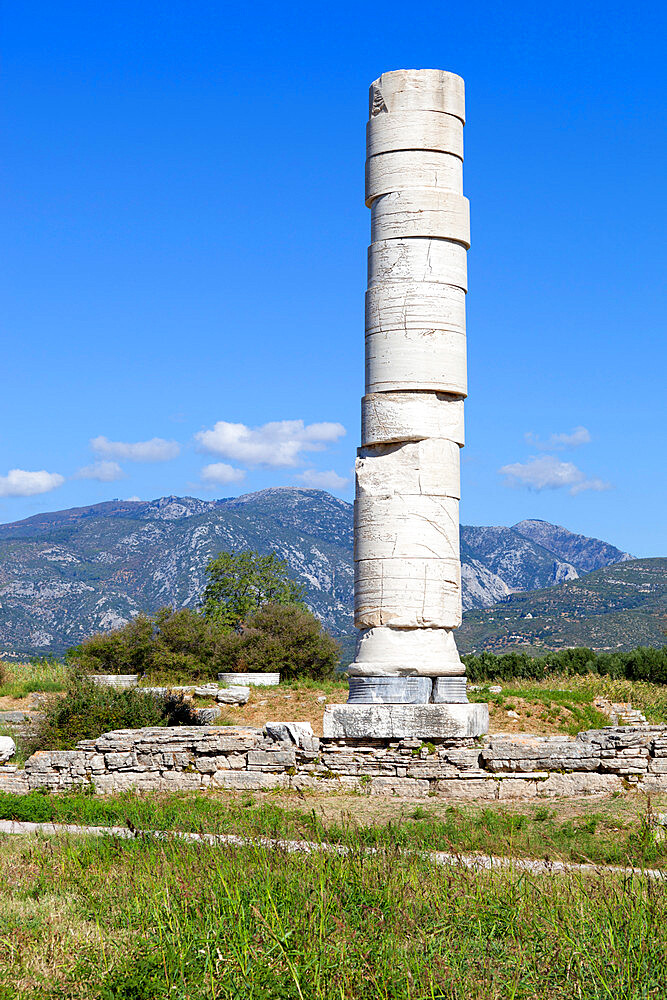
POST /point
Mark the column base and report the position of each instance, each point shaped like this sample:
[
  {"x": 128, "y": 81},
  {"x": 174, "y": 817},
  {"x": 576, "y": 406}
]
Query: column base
[
  {"x": 406, "y": 690},
  {"x": 405, "y": 721},
  {"x": 389, "y": 690}
]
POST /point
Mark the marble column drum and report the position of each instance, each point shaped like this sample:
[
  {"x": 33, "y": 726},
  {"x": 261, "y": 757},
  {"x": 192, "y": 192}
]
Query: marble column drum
[{"x": 406, "y": 528}]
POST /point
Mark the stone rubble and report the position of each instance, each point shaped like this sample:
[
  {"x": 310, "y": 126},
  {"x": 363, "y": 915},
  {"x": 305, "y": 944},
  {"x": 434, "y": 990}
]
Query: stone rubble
[
  {"x": 621, "y": 713},
  {"x": 287, "y": 755},
  {"x": 233, "y": 695},
  {"x": 7, "y": 748}
]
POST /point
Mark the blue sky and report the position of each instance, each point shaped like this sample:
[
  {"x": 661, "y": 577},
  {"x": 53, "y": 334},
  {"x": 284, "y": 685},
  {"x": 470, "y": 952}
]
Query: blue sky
[{"x": 186, "y": 235}]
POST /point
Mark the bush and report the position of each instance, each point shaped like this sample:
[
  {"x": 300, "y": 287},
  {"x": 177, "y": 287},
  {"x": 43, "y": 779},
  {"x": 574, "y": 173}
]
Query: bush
[
  {"x": 642, "y": 664},
  {"x": 171, "y": 642},
  {"x": 277, "y": 636},
  {"x": 127, "y": 650},
  {"x": 183, "y": 643},
  {"x": 87, "y": 710},
  {"x": 284, "y": 637}
]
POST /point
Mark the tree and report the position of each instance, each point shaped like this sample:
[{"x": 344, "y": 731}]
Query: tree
[
  {"x": 284, "y": 637},
  {"x": 239, "y": 583}
]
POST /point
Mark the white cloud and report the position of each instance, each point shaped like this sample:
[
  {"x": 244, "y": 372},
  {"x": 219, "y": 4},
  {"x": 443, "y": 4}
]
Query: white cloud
[
  {"x": 19, "y": 483},
  {"x": 559, "y": 442},
  {"x": 155, "y": 450},
  {"x": 545, "y": 472},
  {"x": 133, "y": 500},
  {"x": 103, "y": 471},
  {"x": 277, "y": 444},
  {"x": 595, "y": 484},
  {"x": 219, "y": 473},
  {"x": 328, "y": 480}
]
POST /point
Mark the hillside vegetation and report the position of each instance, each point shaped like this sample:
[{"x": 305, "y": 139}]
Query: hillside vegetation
[{"x": 615, "y": 608}]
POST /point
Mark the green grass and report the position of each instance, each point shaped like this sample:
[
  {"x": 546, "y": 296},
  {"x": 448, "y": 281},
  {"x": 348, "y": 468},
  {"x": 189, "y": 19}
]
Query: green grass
[
  {"x": 549, "y": 701},
  {"x": 140, "y": 920},
  {"x": 335, "y": 685},
  {"x": 604, "y": 836},
  {"x": 21, "y": 679},
  {"x": 575, "y": 694}
]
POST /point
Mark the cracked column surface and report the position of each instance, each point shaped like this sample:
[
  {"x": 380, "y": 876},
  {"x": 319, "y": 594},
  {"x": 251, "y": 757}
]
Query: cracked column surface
[{"x": 406, "y": 527}]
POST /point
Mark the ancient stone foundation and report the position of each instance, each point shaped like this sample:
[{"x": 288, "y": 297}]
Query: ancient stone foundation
[{"x": 288, "y": 756}]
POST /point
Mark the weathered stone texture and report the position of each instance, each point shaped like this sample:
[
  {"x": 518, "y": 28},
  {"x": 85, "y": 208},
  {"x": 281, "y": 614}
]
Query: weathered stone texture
[{"x": 289, "y": 756}]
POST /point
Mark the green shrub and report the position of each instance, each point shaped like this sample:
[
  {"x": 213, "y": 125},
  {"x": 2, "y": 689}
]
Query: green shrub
[
  {"x": 644, "y": 663},
  {"x": 284, "y": 637},
  {"x": 87, "y": 710},
  {"x": 171, "y": 642},
  {"x": 126, "y": 650},
  {"x": 185, "y": 643}
]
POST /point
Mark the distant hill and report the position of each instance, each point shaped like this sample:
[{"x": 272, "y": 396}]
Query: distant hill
[
  {"x": 66, "y": 574},
  {"x": 616, "y": 608}
]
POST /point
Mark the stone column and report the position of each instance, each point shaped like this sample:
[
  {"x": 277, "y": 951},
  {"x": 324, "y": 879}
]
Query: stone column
[{"x": 407, "y": 678}]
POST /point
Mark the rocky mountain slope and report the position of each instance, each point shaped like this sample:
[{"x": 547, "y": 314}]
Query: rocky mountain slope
[
  {"x": 587, "y": 554},
  {"x": 619, "y": 607},
  {"x": 66, "y": 574}
]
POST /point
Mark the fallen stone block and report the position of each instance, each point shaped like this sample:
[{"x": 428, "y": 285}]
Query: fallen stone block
[
  {"x": 7, "y": 748},
  {"x": 300, "y": 733},
  {"x": 233, "y": 695},
  {"x": 14, "y": 718},
  {"x": 206, "y": 690},
  {"x": 208, "y": 715}
]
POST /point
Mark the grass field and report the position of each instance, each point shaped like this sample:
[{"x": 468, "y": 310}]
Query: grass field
[
  {"x": 88, "y": 919},
  {"x": 137, "y": 920},
  {"x": 613, "y": 831}
]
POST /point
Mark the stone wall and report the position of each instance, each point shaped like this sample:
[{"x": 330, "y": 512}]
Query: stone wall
[{"x": 287, "y": 755}]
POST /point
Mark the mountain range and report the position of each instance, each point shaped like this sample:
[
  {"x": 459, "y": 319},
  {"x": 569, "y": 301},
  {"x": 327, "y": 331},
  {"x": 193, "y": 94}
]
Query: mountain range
[{"x": 67, "y": 574}]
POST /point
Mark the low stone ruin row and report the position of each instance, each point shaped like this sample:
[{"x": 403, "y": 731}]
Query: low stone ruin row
[{"x": 288, "y": 756}]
